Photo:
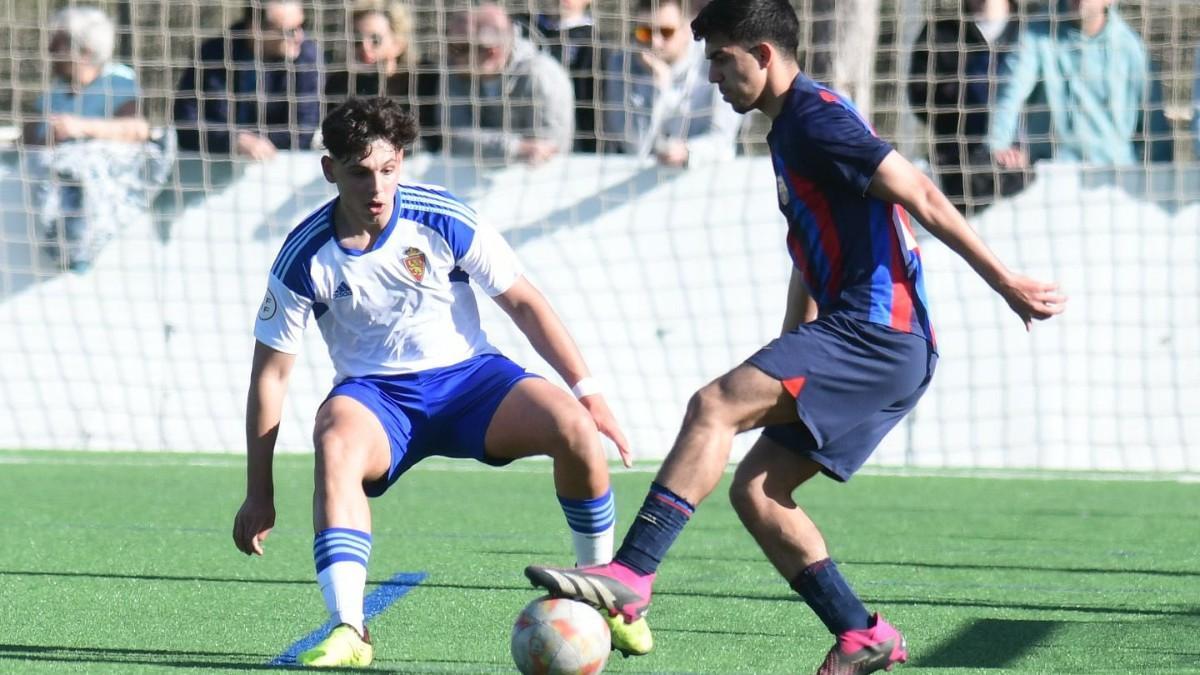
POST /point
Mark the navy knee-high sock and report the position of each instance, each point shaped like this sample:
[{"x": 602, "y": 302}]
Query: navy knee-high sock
[
  {"x": 826, "y": 591},
  {"x": 658, "y": 523}
]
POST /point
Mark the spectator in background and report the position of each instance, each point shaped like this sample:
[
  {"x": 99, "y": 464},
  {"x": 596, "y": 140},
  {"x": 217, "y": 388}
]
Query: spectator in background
[
  {"x": 569, "y": 36},
  {"x": 256, "y": 90},
  {"x": 1196, "y": 104},
  {"x": 952, "y": 78},
  {"x": 657, "y": 97},
  {"x": 384, "y": 60},
  {"x": 506, "y": 99},
  {"x": 1097, "y": 82},
  {"x": 100, "y": 166}
]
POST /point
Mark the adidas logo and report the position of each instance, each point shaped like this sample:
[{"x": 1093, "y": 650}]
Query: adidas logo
[{"x": 343, "y": 291}]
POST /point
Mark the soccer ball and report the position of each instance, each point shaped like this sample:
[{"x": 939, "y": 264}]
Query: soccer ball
[{"x": 556, "y": 636}]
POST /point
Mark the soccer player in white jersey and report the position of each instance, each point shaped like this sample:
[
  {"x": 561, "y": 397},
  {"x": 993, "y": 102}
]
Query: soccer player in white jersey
[{"x": 384, "y": 269}]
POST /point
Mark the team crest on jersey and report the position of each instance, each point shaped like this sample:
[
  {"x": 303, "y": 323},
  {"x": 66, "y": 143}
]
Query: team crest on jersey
[
  {"x": 781, "y": 187},
  {"x": 414, "y": 262}
]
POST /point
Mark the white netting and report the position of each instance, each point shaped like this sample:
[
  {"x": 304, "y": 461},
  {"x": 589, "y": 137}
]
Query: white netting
[{"x": 667, "y": 277}]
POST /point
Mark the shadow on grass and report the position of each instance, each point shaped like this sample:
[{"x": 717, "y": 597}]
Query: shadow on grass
[
  {"x": 155, "y": 577},
  {"x": 223, "y": 661},
  {"x": 81, "y": 656},
  {"x": 1186, "y": 612},
  {"x": 538, "y": 556},
  {"x": 988, "y": 643}
]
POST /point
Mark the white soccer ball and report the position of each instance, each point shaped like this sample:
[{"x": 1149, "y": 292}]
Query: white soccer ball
[{"x": 556, "y": 636}]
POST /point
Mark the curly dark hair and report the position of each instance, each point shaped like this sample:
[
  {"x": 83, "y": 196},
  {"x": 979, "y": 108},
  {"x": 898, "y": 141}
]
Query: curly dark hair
[{"x": 349, "y": 129}]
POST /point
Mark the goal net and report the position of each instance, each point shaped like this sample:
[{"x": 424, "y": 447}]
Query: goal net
[{"x": 666, "y": 277}]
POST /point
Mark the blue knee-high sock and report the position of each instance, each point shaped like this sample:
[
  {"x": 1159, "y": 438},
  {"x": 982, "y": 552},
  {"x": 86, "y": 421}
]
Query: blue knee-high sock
[
  {"x": 658, "y": 523},
  {"x": 826, "y": 591},
  {"x": 592, "y": 522}
]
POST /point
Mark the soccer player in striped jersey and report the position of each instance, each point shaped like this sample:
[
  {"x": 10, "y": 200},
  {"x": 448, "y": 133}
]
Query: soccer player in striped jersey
[
  {"x": 856, "y": 351},
  {"x": 384, "y": 269}
]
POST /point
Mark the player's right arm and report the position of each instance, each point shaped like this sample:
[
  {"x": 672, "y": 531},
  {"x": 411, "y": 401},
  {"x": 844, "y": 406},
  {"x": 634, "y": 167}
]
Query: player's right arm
[
  {"x": 801, "y": 308},
  {"x": 264, "y": 405},
  {"x": 277, "y": 331},
  {"x": 897, "y": 181}
]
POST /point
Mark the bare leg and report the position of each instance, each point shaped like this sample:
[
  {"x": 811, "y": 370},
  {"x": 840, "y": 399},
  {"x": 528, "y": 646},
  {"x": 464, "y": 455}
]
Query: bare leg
[
  {"x": 762, "y": 496},
  {"x": 538, "y": 418},
  {"x": 744, "y": 398},
  {"x": 351, "y": 447}
]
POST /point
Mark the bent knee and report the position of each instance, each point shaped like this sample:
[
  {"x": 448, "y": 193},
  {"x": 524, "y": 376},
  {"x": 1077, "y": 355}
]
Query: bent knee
[
  {"x": 753, "y": 493},
  {"x": 340, "y": 456},
  {"x": 705, "y": 404},
  {"x": 747, "y": 494},
  {"x": 333, "y": 448},
  {"x": 578, "y": 433}
]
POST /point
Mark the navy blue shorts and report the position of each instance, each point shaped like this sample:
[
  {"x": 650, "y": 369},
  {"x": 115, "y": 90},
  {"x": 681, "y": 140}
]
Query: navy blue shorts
[
  {"x": 441, "y": 411},
  {"x": 853, "y": 381}
]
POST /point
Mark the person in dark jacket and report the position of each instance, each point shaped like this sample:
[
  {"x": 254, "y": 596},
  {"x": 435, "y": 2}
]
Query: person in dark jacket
[
  {"x": 952, "y": 82},
  {"x": 569, "y": 35},
  {"x": 234, "y": 101},
  {"x": 384, "y": 60}
]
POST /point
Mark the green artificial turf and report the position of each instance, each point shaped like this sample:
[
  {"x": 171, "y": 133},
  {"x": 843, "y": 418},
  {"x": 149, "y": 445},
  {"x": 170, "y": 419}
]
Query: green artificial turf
[{"x": 124, "y": 563}]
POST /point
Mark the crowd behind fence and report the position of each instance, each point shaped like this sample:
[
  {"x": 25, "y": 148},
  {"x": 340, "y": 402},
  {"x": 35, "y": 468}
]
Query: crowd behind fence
[{"x": 106, "y": 95}]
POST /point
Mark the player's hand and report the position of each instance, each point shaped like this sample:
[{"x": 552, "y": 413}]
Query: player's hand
[
  {"x": 1012, "y": 158},
  {"x": 252, "y": 524},
  {"x": 1032, "y": 299},
  {"x": 607, "y": 424}
]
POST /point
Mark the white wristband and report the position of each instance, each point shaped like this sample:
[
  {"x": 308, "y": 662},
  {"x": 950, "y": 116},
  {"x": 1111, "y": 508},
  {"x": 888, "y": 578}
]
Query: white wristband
[{"x": 586, "y": 387}]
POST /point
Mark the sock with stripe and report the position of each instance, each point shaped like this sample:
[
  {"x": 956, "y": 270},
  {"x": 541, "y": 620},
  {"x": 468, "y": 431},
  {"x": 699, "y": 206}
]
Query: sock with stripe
[
  {"x": 592, "y": 522},
  {"x": 658, "y": 523},
  {"x": 825, "y": 590},
  {"x": 341, "y": 556}
]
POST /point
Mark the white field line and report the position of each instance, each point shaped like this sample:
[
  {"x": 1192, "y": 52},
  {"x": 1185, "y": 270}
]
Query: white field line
[{"x": 540, "y": 465}]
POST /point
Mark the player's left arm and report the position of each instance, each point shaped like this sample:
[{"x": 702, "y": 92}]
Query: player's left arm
[
  {"x": 534, "y": 316},
  {"x": 897, "y": 181}
]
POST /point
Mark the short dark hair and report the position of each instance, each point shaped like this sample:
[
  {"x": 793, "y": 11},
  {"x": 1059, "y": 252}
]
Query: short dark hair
[
  {"x": 349, "y": 129},
  {"x": 749, "y": 22}
]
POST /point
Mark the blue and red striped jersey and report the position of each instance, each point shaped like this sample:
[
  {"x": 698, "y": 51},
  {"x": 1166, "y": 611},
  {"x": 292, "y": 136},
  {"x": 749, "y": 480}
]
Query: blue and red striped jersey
[{"x": 856, "y": 253}]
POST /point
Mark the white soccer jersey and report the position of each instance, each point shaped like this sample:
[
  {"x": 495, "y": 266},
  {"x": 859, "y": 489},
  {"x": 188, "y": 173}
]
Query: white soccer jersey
[{"x": 404, "y": 305}]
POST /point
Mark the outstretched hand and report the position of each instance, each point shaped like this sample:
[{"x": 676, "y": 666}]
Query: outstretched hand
[
  {"x": 607, "y": 424},
  {"x": 253, "y": 524},
  {"x": 1032, "y": 299}
]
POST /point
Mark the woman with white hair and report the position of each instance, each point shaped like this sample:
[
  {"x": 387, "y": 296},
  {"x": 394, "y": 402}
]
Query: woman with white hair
[
  {"x": 98, "y": 167},
  {"x": 90, "y": 95}
]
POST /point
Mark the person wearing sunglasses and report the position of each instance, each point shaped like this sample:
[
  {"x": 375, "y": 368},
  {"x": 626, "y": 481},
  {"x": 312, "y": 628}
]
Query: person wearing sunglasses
[
  {"x": 507, "y": 102},
  {"x": 658, "y": 101},
  {"x": 255, "y": 91},
  {"x": 382, "y": 58}
]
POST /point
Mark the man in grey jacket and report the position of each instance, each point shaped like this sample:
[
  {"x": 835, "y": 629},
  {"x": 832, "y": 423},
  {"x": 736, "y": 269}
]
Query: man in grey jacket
[
  {"x": 657, "y": 98},
  {"x": 506, "y": 100}
]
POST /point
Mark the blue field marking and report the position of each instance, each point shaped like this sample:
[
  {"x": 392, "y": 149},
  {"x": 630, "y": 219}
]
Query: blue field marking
[{"x": 374, "y": 604}]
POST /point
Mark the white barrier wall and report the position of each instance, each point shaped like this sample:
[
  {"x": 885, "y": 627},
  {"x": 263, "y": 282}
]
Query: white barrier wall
[{"x": 666, "y": 279}]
